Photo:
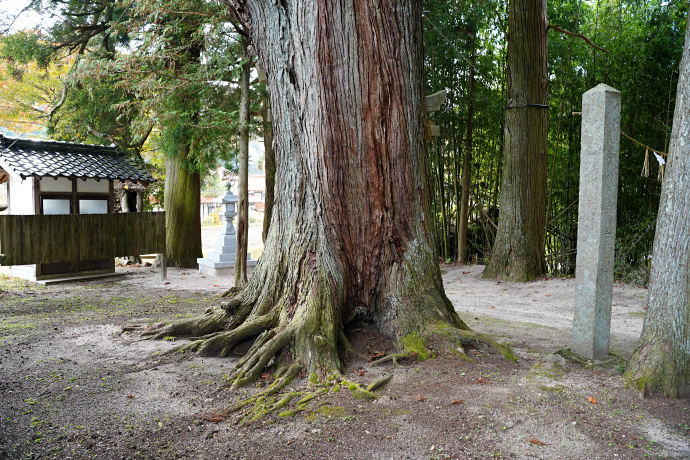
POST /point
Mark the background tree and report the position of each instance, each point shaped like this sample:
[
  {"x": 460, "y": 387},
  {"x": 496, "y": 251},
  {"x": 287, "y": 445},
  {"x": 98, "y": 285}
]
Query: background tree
[
  {"x": 518, "y": 252},
  {"x": 661, "y": 361},
  {"x": 243, "y": 170}
]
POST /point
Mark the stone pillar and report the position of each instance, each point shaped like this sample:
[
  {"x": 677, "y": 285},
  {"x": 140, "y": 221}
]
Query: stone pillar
[{"x": 596, "y": 234}]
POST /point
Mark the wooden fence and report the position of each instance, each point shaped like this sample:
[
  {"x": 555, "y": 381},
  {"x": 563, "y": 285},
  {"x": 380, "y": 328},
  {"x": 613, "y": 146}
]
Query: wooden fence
[{"x": 43, "y": 239}]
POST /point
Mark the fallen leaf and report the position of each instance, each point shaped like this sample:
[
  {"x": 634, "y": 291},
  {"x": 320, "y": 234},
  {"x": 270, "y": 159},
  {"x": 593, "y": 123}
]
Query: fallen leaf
[
  {"x": 215, "y": 285},
  {"x": 420, "y": 398},
  {"x": 361, "y": 373},
  {"x": 290, "y": 442},
  {"x": 482, "y": 380},
  {"x": 457, "y": 401},
  {"x": 130, "y": 396},
  {"x": 493, "y": 306},
  {"x": 167, "y": 282},
  {"x": 265, "y": 376},
  {"x": 388, "y": 437},
  {"x": 537, "y": 442},
  {"x": 592, "y": 400}
]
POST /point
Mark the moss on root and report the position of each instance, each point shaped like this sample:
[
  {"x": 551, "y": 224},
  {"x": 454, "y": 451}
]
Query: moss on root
[
  {"x": 414, "y": 343},
  {"x": 292, "y": 403}
]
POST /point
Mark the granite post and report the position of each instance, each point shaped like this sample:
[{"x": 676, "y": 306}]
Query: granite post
[{"x": 596, "y": 234}]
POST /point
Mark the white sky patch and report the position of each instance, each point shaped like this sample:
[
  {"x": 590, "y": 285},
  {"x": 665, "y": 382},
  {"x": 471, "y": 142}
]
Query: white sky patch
[{"x": 29, "y": 19}]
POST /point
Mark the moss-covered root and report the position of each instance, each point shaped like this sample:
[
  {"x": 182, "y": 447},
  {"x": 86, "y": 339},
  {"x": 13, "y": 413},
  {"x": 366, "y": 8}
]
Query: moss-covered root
[
  {"x": 478, "y": 340},
  {"x": 654, "y": 369},
  {"x": 394, "y": 357},
  {"x": 212, "y": 321},
  {"x": 260, "y": 404},
  {"x": 291, "y": 403}
]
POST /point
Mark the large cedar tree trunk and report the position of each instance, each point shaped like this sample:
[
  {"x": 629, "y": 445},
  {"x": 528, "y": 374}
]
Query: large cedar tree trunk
[
  {"x": 182, "y": 213},
  {"x": 518, "y": 251},
  {"x": 350, "y": 237},
  {"x": 661, "y": 361}
]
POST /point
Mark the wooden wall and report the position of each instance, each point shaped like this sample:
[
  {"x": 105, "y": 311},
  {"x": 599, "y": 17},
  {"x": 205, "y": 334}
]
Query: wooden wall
[{"x": 67, "y": 238}]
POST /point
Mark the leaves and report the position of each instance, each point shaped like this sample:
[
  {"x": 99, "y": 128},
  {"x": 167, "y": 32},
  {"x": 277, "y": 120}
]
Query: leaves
[{"x": 537, "y": 442}]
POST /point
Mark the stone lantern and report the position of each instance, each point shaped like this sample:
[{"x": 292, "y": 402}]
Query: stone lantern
[{"x": 221, "y": 261}]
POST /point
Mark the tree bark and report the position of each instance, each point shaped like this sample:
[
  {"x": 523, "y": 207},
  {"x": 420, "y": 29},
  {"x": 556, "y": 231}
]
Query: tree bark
[
  {"x": 518, "y": 251},
  {"x": 182, "y": 212},
  {"x": 269, "y": 165},
  {"x": 661, "y": 361},
  {"x": 349, "y": 238},
  {"x": 467, "y": 161},
  {"x": 243, "y": 175}
]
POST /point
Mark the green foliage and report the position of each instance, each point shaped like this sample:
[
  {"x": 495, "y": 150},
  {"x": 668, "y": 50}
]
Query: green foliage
[
  {"x": 25, "y": 47},
  {"x": 644, "y": 41}
]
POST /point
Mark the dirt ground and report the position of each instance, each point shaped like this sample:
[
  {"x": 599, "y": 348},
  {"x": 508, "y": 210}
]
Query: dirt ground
[{"x": 73, "y": 387}]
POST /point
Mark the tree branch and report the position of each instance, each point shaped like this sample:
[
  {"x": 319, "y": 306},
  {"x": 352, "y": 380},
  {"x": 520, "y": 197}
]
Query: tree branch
[
  {"x": 63, "y": 97},
  {"x": 9, "y": 26},
  {"x": 135, "y": 145},
  {"x": 573, "y": 34},
  {"x": 239, "y": 10}
]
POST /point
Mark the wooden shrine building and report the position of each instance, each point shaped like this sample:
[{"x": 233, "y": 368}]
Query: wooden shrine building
[{"x": 49, "y": 177}]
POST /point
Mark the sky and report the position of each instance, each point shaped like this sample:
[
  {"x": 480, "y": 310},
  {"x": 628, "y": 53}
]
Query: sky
[{"x": 27, "y": 20}]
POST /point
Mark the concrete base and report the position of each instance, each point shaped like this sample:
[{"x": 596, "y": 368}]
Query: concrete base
[
  {"x": 210, "y": 267},
  {"x": 71, "y": 279},
  {"x": 28, "y": 272}
]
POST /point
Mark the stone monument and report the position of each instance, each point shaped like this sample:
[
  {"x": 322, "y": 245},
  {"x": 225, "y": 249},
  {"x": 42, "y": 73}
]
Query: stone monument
[
  {"x": 221, "y": 261},
  {"x": 596, "y": 234}
]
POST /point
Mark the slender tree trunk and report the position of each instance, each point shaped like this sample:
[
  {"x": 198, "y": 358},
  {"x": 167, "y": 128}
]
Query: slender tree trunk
[
  {"x": 661, "y": 361},
  {"x": 182, "y": 213},
  {"x": 243, "y": 173},
  {"x": 443, "y": 233},
  {"x": 350, "y": 237},
  {"x": 518, "y": 252},
  {"x": 467, "y": 161},
  {"x": 269, "y": 164}
]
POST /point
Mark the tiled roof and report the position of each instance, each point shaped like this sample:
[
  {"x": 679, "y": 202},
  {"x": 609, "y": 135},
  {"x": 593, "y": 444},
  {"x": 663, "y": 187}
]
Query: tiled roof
[{"x": 40, "y": 158}]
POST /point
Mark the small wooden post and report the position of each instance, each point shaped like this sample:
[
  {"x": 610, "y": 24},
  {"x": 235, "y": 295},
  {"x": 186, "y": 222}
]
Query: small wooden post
[{"x": 164, "y": 268}]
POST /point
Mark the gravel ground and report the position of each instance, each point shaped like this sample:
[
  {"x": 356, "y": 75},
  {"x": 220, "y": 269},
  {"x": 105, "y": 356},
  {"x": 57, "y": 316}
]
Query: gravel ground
[{"x": 72, "y": 386}]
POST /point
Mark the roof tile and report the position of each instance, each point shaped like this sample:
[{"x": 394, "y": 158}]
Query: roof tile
[{"x": 40, "y": 158}]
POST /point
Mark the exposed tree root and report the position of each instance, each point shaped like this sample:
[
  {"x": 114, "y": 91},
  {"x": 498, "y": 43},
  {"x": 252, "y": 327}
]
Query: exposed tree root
[
  {"x": 394, "y": 357},
  {"x": 347, "y": 347},
  {"x": 463, "y": 338},
  {"x": 210, "y": 323},
  {"x": 300, "y": 336},
  {"x": 272, "y": 401}
]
